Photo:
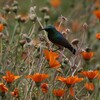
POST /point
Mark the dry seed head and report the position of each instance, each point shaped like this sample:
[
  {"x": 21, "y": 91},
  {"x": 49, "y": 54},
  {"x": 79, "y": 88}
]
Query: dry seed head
[
  {"x": 3, "y": 21},
  {"x": 46, "y": 18},
  {"x": 32, "y": 17},
  {"x": 44, "y": 9},
  {"x": 1, "y": 34},
  {"x": 85, "y": 26},
  {"x": 24, "y": 36},
  {"x": 98, "y": 67},
  {"x": 75, "y": 41},
  {"x": 68, "y": 30},
  {"x": 22, "y": 42},
  {"x": 63, "y": 18},
  {"x": 28, "y": 44},
  {"x": 7, "y": 9},
  {"x": 32, "y": 10},
  {"x": 15, "y": 3},
  {"x": 87, "y": 49},
  {"x": 18, "y": 17},
  {"x": 14, "y": 9},
  {"x": 23, "y": 19}
]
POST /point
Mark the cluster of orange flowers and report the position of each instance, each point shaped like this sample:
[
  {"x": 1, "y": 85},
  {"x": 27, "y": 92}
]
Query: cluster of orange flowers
[
  {"x": 90, "y": 75},
  {"x": 9, "y": 78},
  {"x": 70, "y": 81},
  {"x": 39, "y": 78},
  {"x": 52, "y": 58}
]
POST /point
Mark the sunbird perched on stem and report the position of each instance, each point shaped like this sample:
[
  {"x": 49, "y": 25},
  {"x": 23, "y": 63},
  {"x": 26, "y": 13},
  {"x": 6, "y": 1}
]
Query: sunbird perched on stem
[{"x": 57, "y": 38}]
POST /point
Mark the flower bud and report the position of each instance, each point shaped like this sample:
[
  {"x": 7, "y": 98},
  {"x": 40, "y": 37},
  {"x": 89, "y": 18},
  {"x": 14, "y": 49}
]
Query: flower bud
[{"x": 22, "y": 42}]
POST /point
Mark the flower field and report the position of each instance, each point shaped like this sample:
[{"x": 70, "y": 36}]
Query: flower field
[{"x": 49, "y": 50}]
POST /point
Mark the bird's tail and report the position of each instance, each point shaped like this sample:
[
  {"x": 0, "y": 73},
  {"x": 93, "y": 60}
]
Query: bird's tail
[{"x": 73, "y": 50}]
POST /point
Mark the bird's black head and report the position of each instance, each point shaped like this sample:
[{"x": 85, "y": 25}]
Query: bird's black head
[{"x": 49, "y": 28}]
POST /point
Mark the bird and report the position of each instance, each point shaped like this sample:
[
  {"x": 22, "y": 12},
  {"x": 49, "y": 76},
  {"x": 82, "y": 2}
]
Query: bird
[{"x": 57, "y": 38}]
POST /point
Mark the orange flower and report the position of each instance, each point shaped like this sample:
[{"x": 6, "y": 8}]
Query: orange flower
[
  {"x": 70, "y": 80},
  {"x": 10, "y": 77},
  {"x": 38, "y": 78},
  {"x": 52, "y": 56},
  {"x": 90, "y": 74},
  {"x": 97, "y": 13},
  {"x": 59, "y": 92},
  {"x": 55, "y": 3},
  {"x": 97, "y": 4},
  {"x": 89, "y": 86},
  {"x": 98, "y": 36},
  {"x": 15, "y": 92},
  {"x": 98, "y": 77},
  {"x": 3, "y": 88},
  {"x": 87, "y": 55},
  {"x": 1, "y": 27},
  {"x": 44, "y": 87},
  {"x": 54, "y": 63},
  {"x": 49, "y": 54}
]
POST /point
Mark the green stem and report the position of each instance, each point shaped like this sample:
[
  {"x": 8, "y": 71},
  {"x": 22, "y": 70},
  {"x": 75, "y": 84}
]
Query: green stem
[{"x": 16, "y": 25}]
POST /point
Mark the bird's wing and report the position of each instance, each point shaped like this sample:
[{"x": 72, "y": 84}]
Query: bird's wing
[{"x": 60, "y": 40}]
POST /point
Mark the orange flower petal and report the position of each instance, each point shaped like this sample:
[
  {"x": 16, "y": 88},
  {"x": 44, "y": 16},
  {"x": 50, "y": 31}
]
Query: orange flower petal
[
  {"x": 89, "y": 86},
  {"x": 98, "y": 76},
  {"x": 72, "y": 93},
  {"x": 97, "y": 13},
  {"x": 87, "y": 55},
  {"x": 59, "y": 92},
  {"x": 15, "y": 92},
  {"x": 44, "y": 87},
  {"x": 38, "y": 77},
  {"x": 1, "y": 27},
  {"x": 3, "y": 88},
  {"x": 98, "y": 36},
  {"x": 70, "y": 80},
  {"x": 10, "y": 77},
  {"x": 55, "y": 3},
  {"x": 54, "y": 63},
  {"x": 90, "y": 74},
  {"x": 46, "y": 52},
  {"x": 49, "y": 54}
]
